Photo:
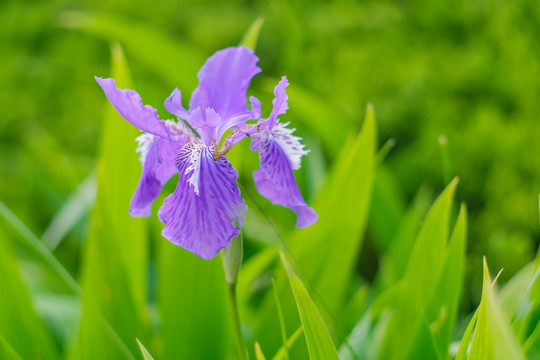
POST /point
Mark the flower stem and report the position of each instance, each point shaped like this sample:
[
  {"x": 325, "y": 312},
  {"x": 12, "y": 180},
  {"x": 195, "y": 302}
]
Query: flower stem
[{"x": 242, "y": 350}]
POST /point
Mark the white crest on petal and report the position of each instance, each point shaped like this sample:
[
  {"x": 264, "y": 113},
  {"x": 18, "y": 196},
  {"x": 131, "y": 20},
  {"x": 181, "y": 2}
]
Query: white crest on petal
[
  {"x": 192, "y": 153},
  {"x": 180, "y": 128},
  {"x": 144, "y": 141},
  {"x": 290, "y": 144}
]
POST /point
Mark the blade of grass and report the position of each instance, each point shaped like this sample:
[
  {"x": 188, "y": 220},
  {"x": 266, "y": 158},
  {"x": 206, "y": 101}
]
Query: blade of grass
[
  {"x": 281, "y": 321},
  {"x": 466, "y": 339},
  {"x": 421, "y": 274},
  {"x": 73, "y": 209},
  {"x": 283, "y": 351},
  {"x": 258, "y": 352},
  {"x": 493, "y": 337},
  {"x": 342, "y": 206},
  {"x": 319, "y": 341},
  {"x": 193, "y": 303},
  {"x": 440, "y": 312},
  {"x": 252, "y": 34},
  {"x": 38, "y": 247},
  {"x": 146, "y": 355},
  {"x": 6, "y": 351},
  {"x": 21, "y": 330},
  {"x": 115, "y": 253}
]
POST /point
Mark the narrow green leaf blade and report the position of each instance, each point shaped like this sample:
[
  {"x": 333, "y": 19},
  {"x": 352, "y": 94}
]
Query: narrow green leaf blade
[
  {"x": 440, "y": 312},
  {"x": 466, "y": 339},
  {"x": 258, "y": 352},
  {"x": 319, "y": 341},
  {"x": 283, "y": 352},
  {"x": 493, "y": 337},
  {"x": 342, "y": 205},
  {"x": 22, "y": 332},
  {"x": 252, "y": 34},
  {"x": 115, "y": 254},
  {"x": 146, "y": 355},
  {"x": 193, "y": 304},
  {"x": 420, "y": 278}
]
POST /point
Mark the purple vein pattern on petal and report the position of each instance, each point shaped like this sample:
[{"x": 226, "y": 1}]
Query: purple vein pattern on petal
[
  {"x": 129, "y": 104},
  {"x": 157, "y": 157},
  {"x": 223, "y": 81},
  {"x": 199, "y": 215},
  {"x": 279, "y": 154}
]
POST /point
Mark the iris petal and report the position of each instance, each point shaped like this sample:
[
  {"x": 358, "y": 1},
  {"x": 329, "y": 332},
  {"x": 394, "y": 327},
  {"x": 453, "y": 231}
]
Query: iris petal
[
  {"x": 129, "y": 104},
  {"x": 158, "y": 167},
  {"x": 223, "y": 81},
  {"x": 199, "y": 215},
  {"x": 275, "y": 179}
]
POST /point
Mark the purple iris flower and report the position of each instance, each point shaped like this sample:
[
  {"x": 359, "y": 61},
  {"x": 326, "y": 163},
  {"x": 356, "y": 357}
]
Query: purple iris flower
[{"x": 206, "y": 209}]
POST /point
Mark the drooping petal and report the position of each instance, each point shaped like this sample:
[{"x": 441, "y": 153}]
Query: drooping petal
[
  {"x": 223, "y": 81},
  {"x": 199, "y": 215},
  {"x": 158, "y": 160},
  {"x": 129, "y": 104},
  {"x": 279, "y": 154}
]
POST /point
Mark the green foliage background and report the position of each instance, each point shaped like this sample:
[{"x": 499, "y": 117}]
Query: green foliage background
[{"x": 468, "y": 70}]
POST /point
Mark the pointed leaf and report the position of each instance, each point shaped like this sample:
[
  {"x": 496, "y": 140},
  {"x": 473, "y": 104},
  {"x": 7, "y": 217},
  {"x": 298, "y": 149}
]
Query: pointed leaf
[
  {"x": 319, "y": 341},
  {"x": 493, "y": 337},
  {"x": 420, "y": 278},
  {"x": 146, "y": 355},
  {"x": 22, "y": 332},
  {"x": 115, "y": 254},
  {"x": 252, "y": 34}
]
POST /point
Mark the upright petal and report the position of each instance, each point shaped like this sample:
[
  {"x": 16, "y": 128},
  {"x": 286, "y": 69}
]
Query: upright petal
[
  {"x": 279, "y": 154},
  {"x": 280, "y": 106},
  {"x": 129, "y": 104},
  {"x": 280, "y": 103},
  {"x": 199, "y": 215},
  {"x": 158, "y": 161},
  {"x": 173, "y": 104},
  {"x": 223, "y": 81}
]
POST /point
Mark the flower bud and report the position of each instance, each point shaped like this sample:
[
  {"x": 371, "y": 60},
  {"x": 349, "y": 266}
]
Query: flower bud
[{"x": 232, "y": 259}]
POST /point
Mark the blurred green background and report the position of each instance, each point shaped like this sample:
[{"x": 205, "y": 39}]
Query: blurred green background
[{"x": 468, "y": 70}]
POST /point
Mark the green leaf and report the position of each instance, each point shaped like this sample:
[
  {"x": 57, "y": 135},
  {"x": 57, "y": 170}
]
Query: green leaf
[
  {"x": 493, "y": 337},
  {"x": 258, "y": 352},
  {"x": 38, "y": 248},
  {"x": 283, "y": 352},
  {"x": 343, "y": 209},
  {"x": 6, "y": 351},
  {"x": 281, "y": 321},
  {"x": 252, "y": 34},
  {"x": 465, "y": 340},
  {"x": 421, "y": 277},
  {"x": 334, "y": 241},
  {"x": 440, "y": 311},
  {"x": 115, "y": 254},
  {"x": 514, "y": 291},
  {"x": 193, "y": 303},
  {"x": 394, "y": 262},
  {"x": 73, "y": 209},
  {"x": 146, "y": 355},
  {"x": 22, "y": 332},
  {"x": 319, "y": 341}
]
